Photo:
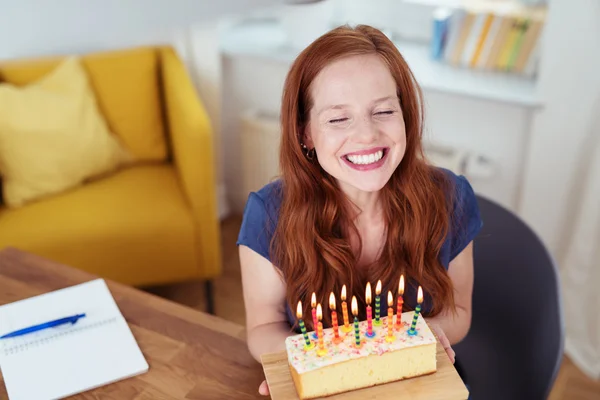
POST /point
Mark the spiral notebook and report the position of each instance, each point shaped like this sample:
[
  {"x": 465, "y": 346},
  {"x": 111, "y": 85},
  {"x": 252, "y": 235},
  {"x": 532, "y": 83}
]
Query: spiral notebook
[{"x": 58, "y": 362}]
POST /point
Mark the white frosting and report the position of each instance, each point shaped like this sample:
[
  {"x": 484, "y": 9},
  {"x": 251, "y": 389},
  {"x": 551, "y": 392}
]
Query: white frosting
[{"x": 308, "y": 360}]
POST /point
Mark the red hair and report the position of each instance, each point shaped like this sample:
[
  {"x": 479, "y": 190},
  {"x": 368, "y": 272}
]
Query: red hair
[{"x": 311, "y": 243}]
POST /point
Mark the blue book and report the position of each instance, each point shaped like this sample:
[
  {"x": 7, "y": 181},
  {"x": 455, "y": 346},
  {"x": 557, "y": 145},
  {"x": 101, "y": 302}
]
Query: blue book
[{"x": 441, "y": 26}]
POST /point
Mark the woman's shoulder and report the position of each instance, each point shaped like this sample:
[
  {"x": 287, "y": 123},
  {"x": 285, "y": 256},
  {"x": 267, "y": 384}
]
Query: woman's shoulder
[
  {"x": 270, "y": 194},
  {"x": 465, "y": 219},
  {"x": 260, "y": 217}
]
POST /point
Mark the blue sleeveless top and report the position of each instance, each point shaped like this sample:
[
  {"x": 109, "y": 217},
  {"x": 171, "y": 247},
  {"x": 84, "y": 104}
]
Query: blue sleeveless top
[{"x": 262, "y": 210}]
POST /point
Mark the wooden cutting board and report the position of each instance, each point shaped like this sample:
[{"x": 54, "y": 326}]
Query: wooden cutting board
[{"x": 444, "y": 384}]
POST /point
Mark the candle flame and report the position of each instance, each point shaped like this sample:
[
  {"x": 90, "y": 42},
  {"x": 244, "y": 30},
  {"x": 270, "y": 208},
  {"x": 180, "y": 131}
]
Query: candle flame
[
  {"x": 354, "y": 306},
  {"x": 343, "y": 296},
  {"x": 368, "y": 293},
  {"x": 390, "y": 299},
  {"x": 313, "y": 300},
  {"x": 319, "y": 312},
  {"x": 420, "y": 295},
  {"x": 378, "y": 287},
  {"x": 299, "y": 310},
  {"x": 332, "y": 302},
  {"x": 401, "y": 285}
]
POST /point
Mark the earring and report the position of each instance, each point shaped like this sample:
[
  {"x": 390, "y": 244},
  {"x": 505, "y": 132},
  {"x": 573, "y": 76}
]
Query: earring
[{"x": 308, "y": 153}]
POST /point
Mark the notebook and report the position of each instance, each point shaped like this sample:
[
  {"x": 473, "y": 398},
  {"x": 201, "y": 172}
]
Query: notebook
[{"x": 69, "y": 359}]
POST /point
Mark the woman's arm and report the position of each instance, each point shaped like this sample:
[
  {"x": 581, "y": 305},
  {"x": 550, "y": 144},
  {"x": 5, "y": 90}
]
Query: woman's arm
[
  {"x": 264, "y": 300},
  {"x": 456, "y": 326}
]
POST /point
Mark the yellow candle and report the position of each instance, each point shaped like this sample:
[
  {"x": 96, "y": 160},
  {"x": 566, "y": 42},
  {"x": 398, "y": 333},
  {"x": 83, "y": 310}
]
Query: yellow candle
[
  {"x": 346, "y": 328},
  {"x": 390, "y": 319},
  {"x": 321, "y": 351}
]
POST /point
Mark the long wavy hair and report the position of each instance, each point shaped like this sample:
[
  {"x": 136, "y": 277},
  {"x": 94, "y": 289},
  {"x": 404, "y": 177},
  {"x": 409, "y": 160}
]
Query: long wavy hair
[{"x": 311, "y": 242}]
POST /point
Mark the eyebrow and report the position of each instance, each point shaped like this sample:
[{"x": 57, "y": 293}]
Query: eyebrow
[{"x": 342, "y": 106}]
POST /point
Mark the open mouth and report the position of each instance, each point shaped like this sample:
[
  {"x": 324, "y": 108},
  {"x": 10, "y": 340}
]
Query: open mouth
[{"x": 366, "y": 159}]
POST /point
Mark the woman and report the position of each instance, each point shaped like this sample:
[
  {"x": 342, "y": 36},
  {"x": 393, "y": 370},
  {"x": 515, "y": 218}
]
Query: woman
[{"x": 357, "y": 202}]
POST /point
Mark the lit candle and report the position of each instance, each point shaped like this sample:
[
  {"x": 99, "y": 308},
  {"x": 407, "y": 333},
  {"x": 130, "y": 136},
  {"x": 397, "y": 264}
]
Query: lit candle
[
  {"x": 346, "y": 328},
  {"x": 357, "y": 341},
  {"x": 313, "y": 304},
  {"x": 334, "y": 320},
  {"x": 377, "y": 321},
  {"x": 308, "y": 344},
  {"x": 412, "y": 331},
  {"x": 390, "y": 319},
  {"x": 321, "y": 351},
  {"x": 400, "y": 302},
  {"x": 369, "y": 333}
]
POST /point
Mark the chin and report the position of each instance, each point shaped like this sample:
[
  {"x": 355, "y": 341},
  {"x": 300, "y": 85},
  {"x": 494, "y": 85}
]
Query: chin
[{"x": 367, "y": 184}]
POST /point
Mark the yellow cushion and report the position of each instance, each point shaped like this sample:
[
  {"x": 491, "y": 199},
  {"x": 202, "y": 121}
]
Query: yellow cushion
[
  {"x": 52, "y": 136},
  {"x": 126, "y": 83},
  {"x": 134, "y": 227}
]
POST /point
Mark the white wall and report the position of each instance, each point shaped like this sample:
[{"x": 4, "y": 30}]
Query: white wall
[
  {"x": 38, "y": 27},
  {"x": 570, "y": 83}
]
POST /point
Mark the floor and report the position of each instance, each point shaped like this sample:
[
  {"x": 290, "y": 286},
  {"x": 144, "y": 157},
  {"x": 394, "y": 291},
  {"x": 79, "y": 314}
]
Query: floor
[{"x": 570, "y": 384}]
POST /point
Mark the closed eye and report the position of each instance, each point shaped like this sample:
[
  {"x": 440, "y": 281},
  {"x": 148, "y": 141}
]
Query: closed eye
[
  {"x": 337, "y": 120},
  {"x": 389, "y": 112}
]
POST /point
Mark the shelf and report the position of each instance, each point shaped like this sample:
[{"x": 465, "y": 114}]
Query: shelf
[{"x": 269, "y": 42}]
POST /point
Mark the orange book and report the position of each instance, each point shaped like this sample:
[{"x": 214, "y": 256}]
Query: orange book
[{"x": 482, "y": 38}]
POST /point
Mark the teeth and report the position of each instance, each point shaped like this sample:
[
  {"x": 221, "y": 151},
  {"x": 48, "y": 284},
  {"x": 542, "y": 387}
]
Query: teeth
[{"x": 365, "y": 159}]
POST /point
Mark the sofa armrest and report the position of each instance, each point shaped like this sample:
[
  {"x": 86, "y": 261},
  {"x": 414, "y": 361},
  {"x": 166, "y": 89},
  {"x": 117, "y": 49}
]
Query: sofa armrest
[{"x": 193, "y": 151}]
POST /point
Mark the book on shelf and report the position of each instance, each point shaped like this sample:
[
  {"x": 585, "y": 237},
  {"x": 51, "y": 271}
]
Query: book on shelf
[{"x": 485, "y": 36}]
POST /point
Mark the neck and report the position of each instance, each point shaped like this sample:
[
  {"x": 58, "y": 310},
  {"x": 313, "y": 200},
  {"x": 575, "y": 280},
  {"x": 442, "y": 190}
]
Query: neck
[{"x": 367, "y": 205}]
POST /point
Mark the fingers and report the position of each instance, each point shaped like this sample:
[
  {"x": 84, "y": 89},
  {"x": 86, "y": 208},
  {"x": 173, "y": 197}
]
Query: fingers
[
  {"x": 451, "y": 354},
  {"x": 445, "y": 343},
  {"x": 263, "y": 389}
]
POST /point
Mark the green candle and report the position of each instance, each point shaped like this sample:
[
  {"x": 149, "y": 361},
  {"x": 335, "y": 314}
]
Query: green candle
[
  {"x": 357, "y": 341},
  {"x": 377, "y": 321},
  {"x": 412, "y": 331},
  {"x": 308, "y": 344}
]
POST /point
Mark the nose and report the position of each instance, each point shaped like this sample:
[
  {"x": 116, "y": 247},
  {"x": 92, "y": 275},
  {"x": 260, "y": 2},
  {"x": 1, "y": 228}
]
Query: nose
[{"x": 366, "y": 132}]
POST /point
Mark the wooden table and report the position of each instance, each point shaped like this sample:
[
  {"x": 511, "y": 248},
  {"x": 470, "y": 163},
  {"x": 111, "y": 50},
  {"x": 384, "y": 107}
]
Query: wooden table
[{"x": 192, "y": 355}]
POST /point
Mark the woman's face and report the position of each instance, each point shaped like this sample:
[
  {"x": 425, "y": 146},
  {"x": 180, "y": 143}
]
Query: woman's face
[{"x": 356, "y": 124}]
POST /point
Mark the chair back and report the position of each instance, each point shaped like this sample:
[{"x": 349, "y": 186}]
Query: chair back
[
  {"x": 515, "y": 345},
  {"x": 127, "y": 85}
]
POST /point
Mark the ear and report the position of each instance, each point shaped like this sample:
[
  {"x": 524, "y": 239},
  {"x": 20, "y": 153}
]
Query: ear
[{"x": 307, "y": 136}]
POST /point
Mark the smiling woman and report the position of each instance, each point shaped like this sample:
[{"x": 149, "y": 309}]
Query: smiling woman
[{"x": 357, "y": 201}]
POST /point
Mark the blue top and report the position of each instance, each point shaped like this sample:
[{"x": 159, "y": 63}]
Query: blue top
[{"x": 262, "y": 211}]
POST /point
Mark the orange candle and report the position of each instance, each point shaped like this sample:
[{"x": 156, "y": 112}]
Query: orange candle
[
  {"x": 400, "y": 302},
  {"x": 346, "y": 328},
  {"x": 390, "y": 319},
  {"x": 334, "y": 320},
  {"x": 321, "y": 351}
]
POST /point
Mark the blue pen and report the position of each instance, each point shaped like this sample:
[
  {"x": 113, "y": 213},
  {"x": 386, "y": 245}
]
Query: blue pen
[{"x": 51, "y": 324}]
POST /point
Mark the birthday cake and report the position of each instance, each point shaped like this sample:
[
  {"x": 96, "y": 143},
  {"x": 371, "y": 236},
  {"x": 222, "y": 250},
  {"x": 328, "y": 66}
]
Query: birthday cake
[{"x": 336, "y": 364}]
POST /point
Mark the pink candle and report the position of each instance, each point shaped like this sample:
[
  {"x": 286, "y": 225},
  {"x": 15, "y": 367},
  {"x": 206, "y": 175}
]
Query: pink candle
[
  {"x": 370, "y": 332},
  {"x": 313, "y": 304}
]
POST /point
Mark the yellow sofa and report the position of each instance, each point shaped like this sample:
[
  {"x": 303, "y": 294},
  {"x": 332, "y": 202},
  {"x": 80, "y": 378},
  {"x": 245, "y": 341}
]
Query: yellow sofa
[{"x": 153, "y": 222}]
